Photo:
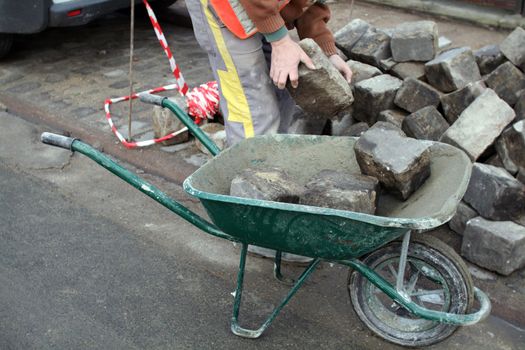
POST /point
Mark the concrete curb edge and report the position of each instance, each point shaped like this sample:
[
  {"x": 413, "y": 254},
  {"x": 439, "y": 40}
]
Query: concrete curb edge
[{"x": 465, "y": 13}]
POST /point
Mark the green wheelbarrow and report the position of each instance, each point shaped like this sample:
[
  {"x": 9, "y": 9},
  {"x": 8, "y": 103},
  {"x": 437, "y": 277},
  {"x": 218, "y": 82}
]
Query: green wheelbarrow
[{"x": 412, "y": 292}]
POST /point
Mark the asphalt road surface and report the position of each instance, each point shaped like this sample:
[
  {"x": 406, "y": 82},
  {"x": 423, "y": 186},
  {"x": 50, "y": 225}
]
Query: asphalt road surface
[{"x": 87, "y": 262}]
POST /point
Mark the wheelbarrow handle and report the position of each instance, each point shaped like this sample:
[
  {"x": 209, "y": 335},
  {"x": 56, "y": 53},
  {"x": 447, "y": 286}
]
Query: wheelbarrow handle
[
  {"x": 57, "y": 140},
  {"x": 152, "y": 99}
]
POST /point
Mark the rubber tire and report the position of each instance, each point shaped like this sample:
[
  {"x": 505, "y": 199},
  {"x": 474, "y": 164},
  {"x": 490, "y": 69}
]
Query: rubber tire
[
  {"x": 6, "y": 42},
  {"x": 421, "y": 247}
]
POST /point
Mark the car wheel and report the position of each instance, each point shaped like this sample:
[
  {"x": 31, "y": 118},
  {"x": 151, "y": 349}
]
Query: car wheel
[{"x": 6, "y": 42}]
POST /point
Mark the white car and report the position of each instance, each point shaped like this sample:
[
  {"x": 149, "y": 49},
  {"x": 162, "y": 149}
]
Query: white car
[{"x": 33, "y": 16}]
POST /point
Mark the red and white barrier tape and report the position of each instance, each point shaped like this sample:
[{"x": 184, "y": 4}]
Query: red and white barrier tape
[
  {"x": 182, "y": 86},
  {"x": 202, "y": 101}
]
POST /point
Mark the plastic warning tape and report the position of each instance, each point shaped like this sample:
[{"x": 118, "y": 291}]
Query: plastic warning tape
[{"x": 202, "y": 101}]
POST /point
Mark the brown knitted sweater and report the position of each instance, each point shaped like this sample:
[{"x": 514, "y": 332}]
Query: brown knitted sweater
[{"x": 310, "y": 20}]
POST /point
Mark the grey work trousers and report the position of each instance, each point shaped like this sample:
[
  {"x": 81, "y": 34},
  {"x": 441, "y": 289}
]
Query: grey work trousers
[{"x": 250, "y": 102}]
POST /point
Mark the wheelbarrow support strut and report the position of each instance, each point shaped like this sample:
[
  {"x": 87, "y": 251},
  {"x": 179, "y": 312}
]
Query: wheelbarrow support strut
[
  {"x": 256, "y": 333},
  {"x": 159, "y": 196}
]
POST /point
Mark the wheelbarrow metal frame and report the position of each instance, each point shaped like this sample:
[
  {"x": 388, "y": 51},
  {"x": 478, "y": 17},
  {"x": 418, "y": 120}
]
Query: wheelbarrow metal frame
[{"x": 148, "y": 189}]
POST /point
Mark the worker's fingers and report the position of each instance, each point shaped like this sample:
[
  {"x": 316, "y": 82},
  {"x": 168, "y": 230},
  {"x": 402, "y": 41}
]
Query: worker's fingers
[
  {"x": 307, "y": 60},
  {"x": 342, "y": 67},
  {"x": 275, "y": 77},
  {"x": 347, "y": 73},
  {"x": 294, "y": 78},
  {"x": 281, "y": 81}
]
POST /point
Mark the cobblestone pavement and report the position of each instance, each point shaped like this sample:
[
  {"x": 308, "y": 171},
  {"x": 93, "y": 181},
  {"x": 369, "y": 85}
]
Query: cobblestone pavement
[
  {"x": 61, "y": 77},
  {"x": 67, "y": 73},
  {"x": 64, "y": 75}
]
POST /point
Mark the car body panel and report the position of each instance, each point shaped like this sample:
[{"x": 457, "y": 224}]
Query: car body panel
[{"x": 33, "y": 16}]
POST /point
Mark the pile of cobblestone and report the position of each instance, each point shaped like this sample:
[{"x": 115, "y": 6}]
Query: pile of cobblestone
[{"x": 474, "y": 100}]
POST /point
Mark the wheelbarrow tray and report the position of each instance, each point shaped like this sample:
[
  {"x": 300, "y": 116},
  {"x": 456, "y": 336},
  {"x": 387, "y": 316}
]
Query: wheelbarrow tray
[{"x": 322, "y": 232}]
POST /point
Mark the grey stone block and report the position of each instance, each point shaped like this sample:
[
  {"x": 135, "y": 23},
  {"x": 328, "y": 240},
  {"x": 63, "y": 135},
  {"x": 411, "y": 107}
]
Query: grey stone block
[
  {"x": 362, "y": 71},
  {"x": 521, "y": 176},
  {"x": 373, "y": 47},
  {"x": 387, "y": 64},
  {"x": 507, "y": 81},
  {"x": 393, "y": 116},
  {"x": 511, "y": 147},
  {"x": 405, "y": 70},
  {"x": 307, "y": 126},
  {"x": 480, "y": 124},
  {"x": 415, "y": 94},
  {"x": 165, "y": 123},
  {"x": 399, "y": 163},
  {"x": 388, "y": 126},
  {"x": 464, "y": 213},
  {"x": 323, "y": 92},
  {"x": 388, "y": 31},
  {"x": 375, "y": 95},
  {"x": 341, "y": 127},
  {"x": 495, "y": 194},
  {"x": 513, "y": 47},
  {"x": 415, "y": 41},
  {"x": 496, "y": 246},
  {"x": 496, "y": 161},
  {"x": 357, "y": 129},
  {"x": 425, "y": 124},
  {"x": 456, "y": 102},
  {"x": 489, "y": 58},
  {"x": 271, "y": 185},
  {"x": 346, "y": 37},
  {"x": 216, "y": 133},
  {"x": 519, "y": 108},
  {"x": 338, "y": 190},
  {"x": 444, "y": 42},
  {"x": 452, "y": 70}
]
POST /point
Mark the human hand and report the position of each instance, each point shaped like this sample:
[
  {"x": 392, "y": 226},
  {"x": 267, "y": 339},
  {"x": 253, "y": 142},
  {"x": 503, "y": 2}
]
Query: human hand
[
  {"x": 342, "y": 67},
  {"x": 286, "y": 56}
]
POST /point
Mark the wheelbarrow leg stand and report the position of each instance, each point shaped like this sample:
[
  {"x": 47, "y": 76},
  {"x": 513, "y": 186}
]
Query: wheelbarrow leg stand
[
  {"x": 277, "y": 271},
  {"x": 256, "y": 333}
]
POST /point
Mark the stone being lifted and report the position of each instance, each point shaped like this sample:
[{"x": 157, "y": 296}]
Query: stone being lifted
[{"x": 323, "y": 92}]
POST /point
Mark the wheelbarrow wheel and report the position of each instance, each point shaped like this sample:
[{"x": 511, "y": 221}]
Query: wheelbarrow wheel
[{"x": 435, "y": 278}]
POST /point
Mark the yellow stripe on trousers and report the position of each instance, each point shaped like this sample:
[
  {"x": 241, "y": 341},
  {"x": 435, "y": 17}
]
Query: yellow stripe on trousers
[{"x": 231, "y": 87}]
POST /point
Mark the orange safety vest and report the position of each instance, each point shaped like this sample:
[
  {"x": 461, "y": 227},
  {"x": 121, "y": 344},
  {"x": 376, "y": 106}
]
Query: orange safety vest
[{"x": 235, "y": 18}]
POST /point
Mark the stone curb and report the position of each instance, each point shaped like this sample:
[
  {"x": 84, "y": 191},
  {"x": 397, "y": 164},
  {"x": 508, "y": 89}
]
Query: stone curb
[{"x": 456, "y": 11}]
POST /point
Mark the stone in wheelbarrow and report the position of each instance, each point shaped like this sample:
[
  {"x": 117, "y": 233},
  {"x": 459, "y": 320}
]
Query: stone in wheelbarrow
[
  {"x": 343, "y": 191},
  {"x": 401, "y": 164},
  {"x": 322, "y": 93},
  {"x": 271, "y": 184}
]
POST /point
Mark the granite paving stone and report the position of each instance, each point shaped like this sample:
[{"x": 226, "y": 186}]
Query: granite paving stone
[
  {"x": 480, "y": 124},
  {"x": 453, "y": 70},
  {"x": 400, "y": 164}
]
